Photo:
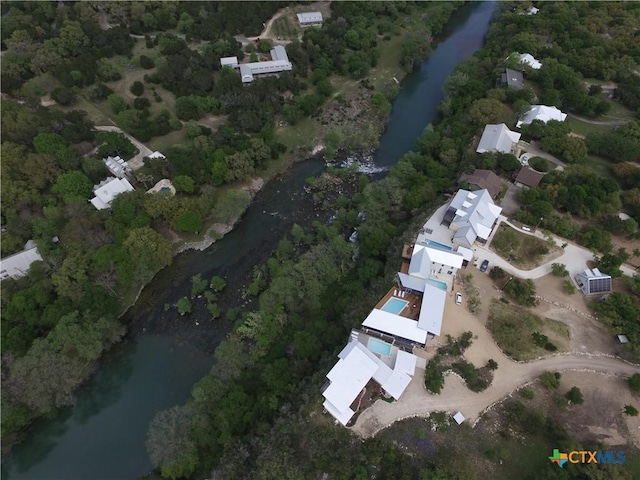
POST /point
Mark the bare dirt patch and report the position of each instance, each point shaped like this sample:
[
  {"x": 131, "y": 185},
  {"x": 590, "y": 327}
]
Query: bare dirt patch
[{"x": 600, "y": 417}]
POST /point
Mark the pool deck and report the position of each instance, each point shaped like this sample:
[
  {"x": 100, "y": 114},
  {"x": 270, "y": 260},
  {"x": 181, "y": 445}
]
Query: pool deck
[{"x": 411, "y": 311}]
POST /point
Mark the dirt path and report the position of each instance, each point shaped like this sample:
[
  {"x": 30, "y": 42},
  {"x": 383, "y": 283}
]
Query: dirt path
[{"x": 609, "y": 123}]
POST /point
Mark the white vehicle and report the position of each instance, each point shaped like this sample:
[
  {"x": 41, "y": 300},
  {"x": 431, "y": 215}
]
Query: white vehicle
[
  {"x": 458, "y": 299},
  {"x": 525, "y": 228}
]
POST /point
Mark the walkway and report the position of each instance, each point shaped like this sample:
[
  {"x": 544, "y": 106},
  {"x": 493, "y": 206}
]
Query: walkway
[{"x": 143, "y": 151}]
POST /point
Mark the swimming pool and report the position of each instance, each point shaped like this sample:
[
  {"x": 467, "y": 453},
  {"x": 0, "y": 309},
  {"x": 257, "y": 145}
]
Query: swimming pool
[
  {"x": 378, "y": 346},
  {"x": 394, "y": 305},
  {"x": 438, "y": 283},
  {"x": 431, "y": 243}
]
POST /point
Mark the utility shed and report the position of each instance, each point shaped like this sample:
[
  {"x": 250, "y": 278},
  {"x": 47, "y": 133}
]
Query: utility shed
[
  {"x": 310, "y": 18},
  {"x": 593, "y": 281}
]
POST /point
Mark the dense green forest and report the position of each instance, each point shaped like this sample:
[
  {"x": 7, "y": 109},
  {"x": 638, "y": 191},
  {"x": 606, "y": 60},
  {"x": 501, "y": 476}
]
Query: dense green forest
[
  {"x": 257, "y": 415},
  {"x": 64, "y": 312}
]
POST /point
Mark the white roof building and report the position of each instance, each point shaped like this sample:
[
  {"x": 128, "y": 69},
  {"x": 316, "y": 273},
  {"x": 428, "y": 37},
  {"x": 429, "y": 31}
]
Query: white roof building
[
  {"x": 279, "y": 63},
  {"x": 472, "y": 215},
  {"x": 157, "y": 154},
  {"x": 497, "y": 138},
  {"x": 17, "y": 265},
  {"x": 109, "y": 189},
  {"x": 309, "y": 18},
  {"x": 117, "y": 166},
  {"x": 528, "y": 59},
  {"x": 229, "y": 61},
  {"x": 356, "y": 367},
  {"x": 432, "y": 309},
  {"x": 532, "y": 11},
  {"x": 542, "y": 113},
  {"x": 395, "y": 325}
]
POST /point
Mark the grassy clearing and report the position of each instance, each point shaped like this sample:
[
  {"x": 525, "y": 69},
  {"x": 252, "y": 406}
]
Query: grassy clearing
[
  {"x": 513, "y": 330},
  {"x": 523, "y": 251},
  {"x": 166, "y": 141},
  {"x": 600, "y": 165},
  {"x": 286, "y": 27},
  {"x": 583, "y": 128},
  {"x": 305, "y": 134},
  {"x": 388, "y": 64}
]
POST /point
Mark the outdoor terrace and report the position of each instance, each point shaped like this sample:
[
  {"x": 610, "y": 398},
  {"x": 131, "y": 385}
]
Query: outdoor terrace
[{"x": 411, "y": 311}]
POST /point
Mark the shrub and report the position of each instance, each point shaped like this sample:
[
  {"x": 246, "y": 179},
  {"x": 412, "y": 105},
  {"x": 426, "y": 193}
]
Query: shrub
[
  {"x": 198, "y": 285},
  {"x": 568, "y": 287},
  {"x": 559, "y": 270},
  {"x": 496, "y": 273},
  {"x": 522, "y": 292},
  {"x": 550, "y": 380},
  {"x": 630, "y": 410},
  {"x": 218, "y": 284},
  {"x": 63, "y": 96},
  {"x": 471, "y": 375},
  {"x": 527, "y": 393},
  {"x": 146, "y": 62},
  {"x": 574, "y": 396},
  {"x": 539, "y": 339},
  {"x": 434, "y": 376},
  {"x": 540, "y": 164},
  {"x": 141, "y": 103},
  {"x": 634, "y": 382},
  {"x": 492, "y": 364}
]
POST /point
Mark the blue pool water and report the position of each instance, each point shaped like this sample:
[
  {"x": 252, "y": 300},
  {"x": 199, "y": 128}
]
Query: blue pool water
[
  {"x": 437, "y": 283},
  {"x": 431, "y": 243},
  {"x": 394, "y": 305},
  {"x": 165, "y": 190},
  {"x": 378, "y": 346}
]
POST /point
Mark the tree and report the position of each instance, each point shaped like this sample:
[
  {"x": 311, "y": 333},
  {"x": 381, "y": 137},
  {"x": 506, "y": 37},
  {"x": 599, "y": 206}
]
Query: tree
[
  {"x": 217, "y": 283},
  {"x": 150, "y": 249},
  {"x": 73, "y": 186},
  {"x": 146, "y": 62},
  {"x": 117, "y": 103},
  {"x": 115, "y": 144},
  {"x": 574, "y": 396},
  {"x": 169, "y": 442},
  {"x": 184, "y": 184},
  {"x": 189, "y": 221},
  {"x": 198, "y": 285},
  {"x": 183, "y": 305},
  {"x": 630, "y": 410},
  {"x": 137, "y": 88},
  {"x": 496, "y": 273},
  {"x": 492, "y": 364}
]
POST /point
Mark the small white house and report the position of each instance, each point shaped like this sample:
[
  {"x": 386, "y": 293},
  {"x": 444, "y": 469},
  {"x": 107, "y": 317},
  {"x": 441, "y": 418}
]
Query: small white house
[
  {"x": 310, "y": 18},
  {"x": 530, "y": 60},
  {"x": 117, "y": 166},
  {"x": 543, "y": 113},
  {"x": 109, "y": 189},
  {"x": 17, "y": 265}
]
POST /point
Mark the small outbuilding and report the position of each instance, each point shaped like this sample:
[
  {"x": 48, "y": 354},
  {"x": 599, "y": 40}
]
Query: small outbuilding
[
  {"x": 543, "y": 113},
  {"x": 459, "y": 418},
  {"x": 528, "y": 178},
  {"x": 310, "y": 18},
  {"x": 513, "y": 79},
  {"x": 593, "y": 282}
]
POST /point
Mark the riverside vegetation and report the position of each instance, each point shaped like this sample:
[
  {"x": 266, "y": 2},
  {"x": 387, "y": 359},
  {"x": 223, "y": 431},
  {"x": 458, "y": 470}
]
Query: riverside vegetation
[
  {"x": 65, "y": 311},
  {"x": 257, "y": 414}
]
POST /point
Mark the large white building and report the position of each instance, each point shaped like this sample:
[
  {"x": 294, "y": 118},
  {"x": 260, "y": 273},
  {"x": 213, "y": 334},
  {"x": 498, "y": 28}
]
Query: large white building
[
  {"x": 279, "y": 63},
  {"x": 542, "y": 113},
  {"x": 472, "y": 216},
  {"x": 17, "y": 265},
  {"x": 497, "y": 138},
  {"x": 109, "y": 189},
  {"x": 356, "y": 367}
]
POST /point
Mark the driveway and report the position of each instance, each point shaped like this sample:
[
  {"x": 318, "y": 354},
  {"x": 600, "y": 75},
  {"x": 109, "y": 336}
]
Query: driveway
[
  {"x": 575, "y": 257},
  {"x": 535, "y": 150},
  {"x": 143, "y": 151}
]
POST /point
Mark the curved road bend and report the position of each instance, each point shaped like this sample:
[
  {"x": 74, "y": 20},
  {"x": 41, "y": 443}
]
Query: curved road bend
[{"x": 455, "y": 396}]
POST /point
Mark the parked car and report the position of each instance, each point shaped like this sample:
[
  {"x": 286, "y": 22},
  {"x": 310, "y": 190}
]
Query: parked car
[
  {"x": 458, "y": 299},
  {"x": 484, "y": 266},
  {"x": 526, "y": 229}
]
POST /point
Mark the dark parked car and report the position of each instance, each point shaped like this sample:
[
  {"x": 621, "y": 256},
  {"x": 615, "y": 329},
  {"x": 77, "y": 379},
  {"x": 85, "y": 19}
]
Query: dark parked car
[{"x": 484, "y": 266}]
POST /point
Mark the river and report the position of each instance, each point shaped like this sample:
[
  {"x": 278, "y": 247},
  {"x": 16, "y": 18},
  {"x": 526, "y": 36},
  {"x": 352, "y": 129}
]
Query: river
[{"x": 103, "y": 435}]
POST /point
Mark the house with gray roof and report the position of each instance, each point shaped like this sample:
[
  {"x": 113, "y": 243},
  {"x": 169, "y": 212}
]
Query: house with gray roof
[
  {"x": 472, "y": 216},
  {"x": 497, "y": 138},
  {"x": 513, "y": 79},
  {"x": 593, "y": 281},
  {"x": 279, "y": 63},
  {"x": 310, "y": 18}
]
